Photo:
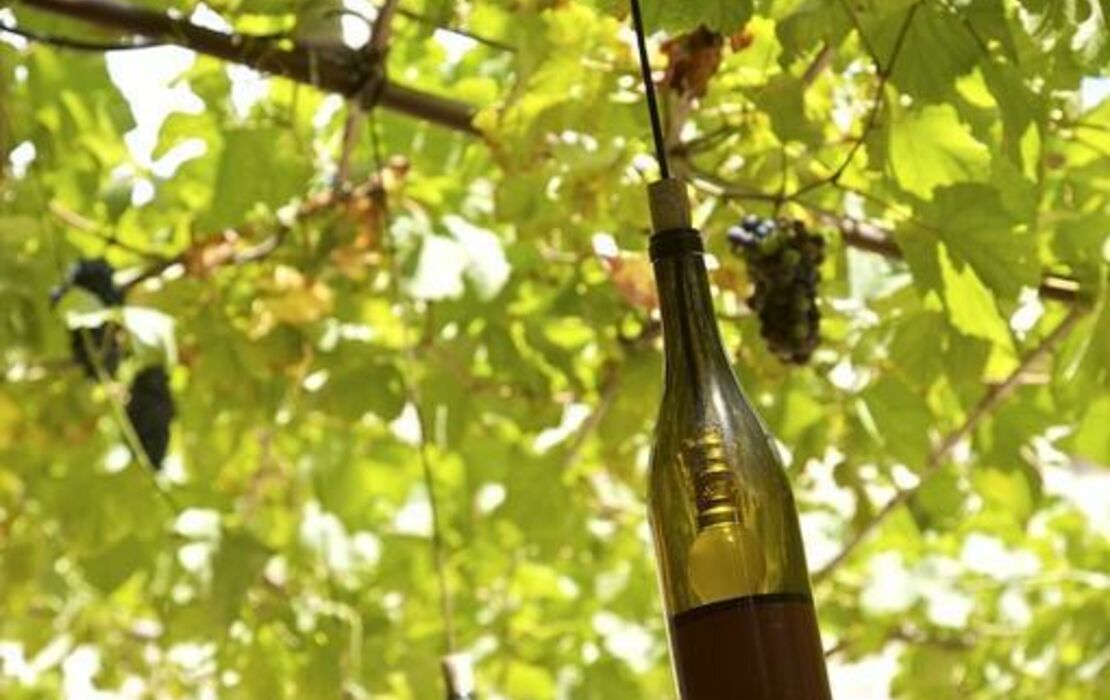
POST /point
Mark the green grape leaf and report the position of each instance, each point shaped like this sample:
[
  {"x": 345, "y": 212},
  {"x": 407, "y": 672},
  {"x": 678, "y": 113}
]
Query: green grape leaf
[
  {"x": 783, "y": 99},
  {"x": 1010, "y": 493},
  {"x": 930, "y": 147},
  {"x": 971, "y": 307},
  {"x": 939, "y": 501},
  {"x": 725, "y": 16},
  {"x": 236, "y": 567},
  {"x": 810, "y": 24},
  {"x": 109, "y": 568},
  {"x": 358, "y": 387},
  {"x": 978, "y": 230},
  {"x": 935, "y": 50},
  {"x": 901, "y": 418},
  {"x": 914, "y": 347},
  {"x": 1092, "y": 440},
  {"x": 257, "y": 167}
]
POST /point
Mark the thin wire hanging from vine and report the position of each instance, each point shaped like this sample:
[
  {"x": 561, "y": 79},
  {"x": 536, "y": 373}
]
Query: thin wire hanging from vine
[
  {"x": 649, "y": 88},
  {"x": 413, "y": 396}
]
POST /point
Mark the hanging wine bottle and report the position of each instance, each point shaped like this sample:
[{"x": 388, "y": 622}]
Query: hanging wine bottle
[
  {"x": 729, "y": 549},
  {"x": 458, "y": 675}
]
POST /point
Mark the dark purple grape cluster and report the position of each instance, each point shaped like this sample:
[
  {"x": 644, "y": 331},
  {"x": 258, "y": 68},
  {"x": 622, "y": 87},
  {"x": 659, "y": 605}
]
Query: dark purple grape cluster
[
  {"x": 783, "y": 260},
  {"x": 95, "y": 276},
  {"x": 151, "y": 409},
  {"x": 95, "y": 347},
  {"x": 98, "y": 346}
]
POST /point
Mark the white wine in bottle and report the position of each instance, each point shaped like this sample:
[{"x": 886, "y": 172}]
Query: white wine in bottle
[{"x": 729, "y": 548}]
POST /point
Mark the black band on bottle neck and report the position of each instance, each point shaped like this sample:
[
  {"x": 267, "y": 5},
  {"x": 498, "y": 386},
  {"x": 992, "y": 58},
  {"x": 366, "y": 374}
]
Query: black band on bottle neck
[{"x": 674, "y": 244}]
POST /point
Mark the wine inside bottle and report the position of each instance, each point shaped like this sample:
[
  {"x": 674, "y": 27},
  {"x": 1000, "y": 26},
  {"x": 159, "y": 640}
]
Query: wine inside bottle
[{"x": 729, "y": 548}]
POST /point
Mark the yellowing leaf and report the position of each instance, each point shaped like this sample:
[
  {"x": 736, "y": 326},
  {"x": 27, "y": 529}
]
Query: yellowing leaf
[
  {"x": 631, "y": 274},
  {"x": 296, "y": 300},
  {"x": 304, "y": 305}
]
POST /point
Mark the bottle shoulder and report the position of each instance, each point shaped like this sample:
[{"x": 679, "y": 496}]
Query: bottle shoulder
[{"x": 721, "y": 408}]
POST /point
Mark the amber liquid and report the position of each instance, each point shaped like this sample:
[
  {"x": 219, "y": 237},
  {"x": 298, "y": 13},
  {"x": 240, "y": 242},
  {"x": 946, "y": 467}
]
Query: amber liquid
[{"x": 755, "y": 648}]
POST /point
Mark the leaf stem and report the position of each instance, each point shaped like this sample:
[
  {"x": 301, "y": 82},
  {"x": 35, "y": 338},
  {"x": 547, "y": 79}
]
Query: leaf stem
[
  {"x": 860, "y": 234},
  {"x": 119, "y": 414},
  {"x": 884, "y": 73},
  {"x": 414, "y": 398}
]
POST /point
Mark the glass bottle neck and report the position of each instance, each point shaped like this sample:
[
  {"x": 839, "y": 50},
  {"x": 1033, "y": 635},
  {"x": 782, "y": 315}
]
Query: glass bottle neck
[{"x": 692, "y": 343}]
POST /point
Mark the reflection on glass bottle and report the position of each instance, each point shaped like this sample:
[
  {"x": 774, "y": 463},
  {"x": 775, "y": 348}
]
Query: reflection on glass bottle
[{"x": 726, "y": 559}]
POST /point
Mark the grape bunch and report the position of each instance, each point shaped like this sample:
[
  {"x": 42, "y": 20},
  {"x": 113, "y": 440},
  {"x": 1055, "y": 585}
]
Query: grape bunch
[
  {"x": 783, "y": 260},
  {"x": 96, "y": 346},
  {"x": 150, "y": 409},
  {"x": 95, "y": 276}
]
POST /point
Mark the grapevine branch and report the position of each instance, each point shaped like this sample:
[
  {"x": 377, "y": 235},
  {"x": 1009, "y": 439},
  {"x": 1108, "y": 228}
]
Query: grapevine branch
[
  {"x": 376, "y": 49},
  {"x": 884, "y": 71},
  {"x": 351, "y": 129},
  {"x": 379, "y": 43},
  {"x": 870, "y": 237},
  {"x": 382, "y": 30},
  {"x": 437, "y": 26},
  {"x": 80, "y": 223},
  {"x": 439, "y": 547},
  {"x": 915, "y": 638},
  {"x": 820, "y": 63},
  {"x": 859, "y": 234},
  {"x": 263, "y": 249},
  {"x": 414, "y": 398},
  {"x": 335, "y": 68},
  {"x": 991, "y": 400},
  {"x": 605, "y": 400}
]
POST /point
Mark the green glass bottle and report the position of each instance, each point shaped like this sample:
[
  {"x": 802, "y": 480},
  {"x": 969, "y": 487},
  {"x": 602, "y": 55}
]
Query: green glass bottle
[{"x": 727, "y": 541}]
